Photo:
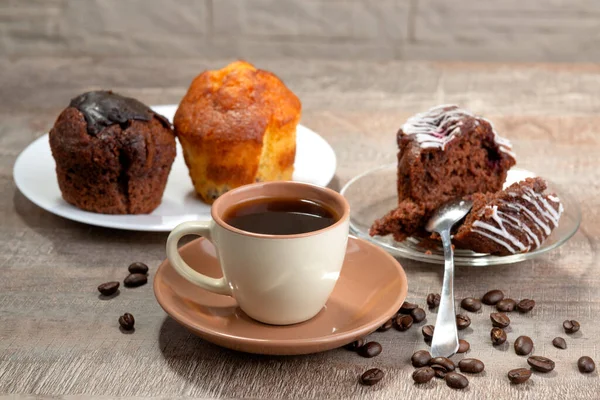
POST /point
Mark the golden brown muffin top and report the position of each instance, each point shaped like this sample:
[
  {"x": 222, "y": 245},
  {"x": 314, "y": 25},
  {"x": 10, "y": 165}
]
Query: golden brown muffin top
[{"x": 235, "y": 103}]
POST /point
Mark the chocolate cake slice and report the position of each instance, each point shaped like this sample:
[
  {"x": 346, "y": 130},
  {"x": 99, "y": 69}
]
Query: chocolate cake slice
[
  {"x": 515, "y": 220},
  {"x": 444, "y": 153}
]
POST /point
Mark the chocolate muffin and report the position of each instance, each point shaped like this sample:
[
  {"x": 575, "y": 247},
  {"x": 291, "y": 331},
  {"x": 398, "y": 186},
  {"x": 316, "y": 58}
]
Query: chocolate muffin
[
  {"x": 444, "y": 153},
  {"x": 113, "y": 154},
  {"x": 515, "y": 220}
]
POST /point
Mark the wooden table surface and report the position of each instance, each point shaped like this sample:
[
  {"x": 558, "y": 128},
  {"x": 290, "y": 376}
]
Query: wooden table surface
[{"x": 58, "y": 338}]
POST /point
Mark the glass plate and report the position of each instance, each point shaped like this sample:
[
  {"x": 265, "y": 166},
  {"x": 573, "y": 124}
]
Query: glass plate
[{"x": 373, "y": 193}]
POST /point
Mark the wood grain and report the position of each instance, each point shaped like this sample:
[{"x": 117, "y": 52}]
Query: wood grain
[{"x": 57, "y": 338}]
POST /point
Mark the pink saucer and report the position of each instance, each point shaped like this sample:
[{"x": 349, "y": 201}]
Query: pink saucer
[{"x": 370, "y": 290}]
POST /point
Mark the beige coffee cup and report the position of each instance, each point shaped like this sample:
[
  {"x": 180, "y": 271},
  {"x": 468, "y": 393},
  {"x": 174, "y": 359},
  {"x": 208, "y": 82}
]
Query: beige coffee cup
[{"x": 275, "y": 279}]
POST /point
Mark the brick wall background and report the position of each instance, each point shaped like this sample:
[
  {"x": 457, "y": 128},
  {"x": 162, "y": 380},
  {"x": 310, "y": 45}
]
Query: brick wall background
[{"x": 480, "y": 30}]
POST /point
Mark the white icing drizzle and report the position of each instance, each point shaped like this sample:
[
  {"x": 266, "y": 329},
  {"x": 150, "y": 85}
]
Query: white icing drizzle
[
  {"x": 495, "y": 239},
  {"x": 519, "y": 225},
  {"x": 438, "y": 126},
  {"x": 553, "y": 198},
  {"x": 502, "y": 230},
  {"x": 544, "y": 224}
]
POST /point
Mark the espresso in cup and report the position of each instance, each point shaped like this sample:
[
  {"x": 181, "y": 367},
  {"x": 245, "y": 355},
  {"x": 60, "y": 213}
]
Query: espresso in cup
[
  {"x": 280, "y": 216},
  {"x": 281, "y": 247}
]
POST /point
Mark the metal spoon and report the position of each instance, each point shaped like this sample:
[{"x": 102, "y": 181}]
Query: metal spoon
[{"x": 445, "y": 336}]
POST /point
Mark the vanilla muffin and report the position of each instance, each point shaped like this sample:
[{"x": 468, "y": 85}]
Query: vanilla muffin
[
  {"x": 237, "y": 125},
  {"x": 113, "y": 154}
]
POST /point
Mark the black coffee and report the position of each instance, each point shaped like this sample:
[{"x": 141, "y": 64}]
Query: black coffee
[{"x": 278, "y": 216}]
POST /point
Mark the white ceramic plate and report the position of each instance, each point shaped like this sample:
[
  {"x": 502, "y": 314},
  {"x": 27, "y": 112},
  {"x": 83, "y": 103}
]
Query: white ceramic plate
[
  {"x": 373, "y": 193},
  {"x": 34, "y": 174}
]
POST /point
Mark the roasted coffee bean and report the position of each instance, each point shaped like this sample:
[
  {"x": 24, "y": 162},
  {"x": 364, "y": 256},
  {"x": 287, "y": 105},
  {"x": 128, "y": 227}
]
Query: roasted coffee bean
[
  {"x": 386, "y": 326},
  {"x": 357, "y": 344},
  {"x": 523, "y": 345},
  {"x": 443, "y": 362},
  {"x": 427, "y": 331},
  {"x": 456, "y": 380},
  {"x": 440, "y": 372},
  {"x": 463, "y": 346},
  {"x": 525, "y": 305},
  {"x": 371, "y": 377},
  {"x": 420, "y": 358},
  {"x": 462, "y": 321},
  {"x": 138, "y": 268},
  {"x": 500, "y": 320},
  {"x": 498, "y": 336},
  {"x": 471, "y": 304},
  {"x": 559, "y": 343},
  {"x": 407, "y": 307},
  {"x": 109, "y": 288},
  {"x": 471, "y": 365},
  {"x": 369, "y": 350},
  {"x": 423, "y": 374},
  {"x": 506, "y": 305},
  {"x": 135, "y": 280},
  {"x": 492, "y": 297},
  {"x": 403, "y": 322},
  {"x": 127, "y": 321},
  {"x": 586, "y": 365},
  {"x": 418, "y": 314},
  {"x": 519, "y": 375},
  {"x": 433, "y": 300},
  {"x": 541, "y": 364},
  {"x": 571, "y": 326}
]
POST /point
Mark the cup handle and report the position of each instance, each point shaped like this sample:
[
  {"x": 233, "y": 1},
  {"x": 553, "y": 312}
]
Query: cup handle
[{"x": 200, "y": 228}]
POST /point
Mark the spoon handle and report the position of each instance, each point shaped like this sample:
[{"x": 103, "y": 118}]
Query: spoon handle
[{"x": 445, "y": 335}]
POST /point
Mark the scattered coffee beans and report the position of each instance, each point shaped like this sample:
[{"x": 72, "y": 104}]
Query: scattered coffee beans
[
  {"x": 371, "y": 377},
  {"x": 138, "y": 268},
  {"x": 407, "y": 307},
  {"x": 471, "y": 365},
  {"x": 420, "y": 358},
  {"x": 418, "y": 314},
  {"x": 541, "y": 364},
  {"x": 463, "y": 346},
  {"x": 386, "y": 326},
  {"x": 571, "y": 326},
  {"x": 559, "y": 343},
  {"x": 525, "y": 305},
  {"x": 471, "y": 304},
  {"x": 462, "y": 321},
  {"x": 519, "y": 375},
  {"x": 427, "y": 331},
  {"x": 500, "y": 320},
  {"x": 439, "y": 371},
  {"x": 135, "y": 280},
  {"x": 354, "y": 346},
  {"x": 498, "y": 336},
  {"x": 403, "y": 322},
  {"x": 456, "y": 380},
  {"x": 446, "y": 364},
  {"x": 433, "y": 300},
  {"x": 423, "y": 375},
  {"x": 506, "y": 305},
  {"x": 586, "y": 365},
  {"x": 108, "y": 288},
  {"x": 369, "y": 350},
  {"x": 441, "y": 366},
  {"x": 523, "y": 345},
  {"x": 127, "y": 321},
  {"x": 492, "y": 297}
]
